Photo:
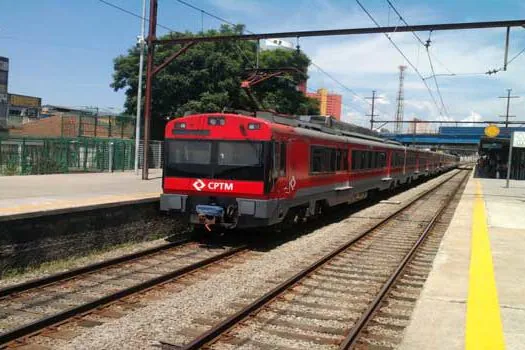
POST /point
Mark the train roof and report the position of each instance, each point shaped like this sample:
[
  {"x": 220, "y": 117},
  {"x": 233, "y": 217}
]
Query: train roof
[{"x": 326, "y": 126}]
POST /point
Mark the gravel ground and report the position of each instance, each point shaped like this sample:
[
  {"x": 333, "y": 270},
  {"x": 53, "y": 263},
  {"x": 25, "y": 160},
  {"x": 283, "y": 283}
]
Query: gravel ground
[
  {"x": 64, "y": 265},
  {"x": 164, "y": 319}
]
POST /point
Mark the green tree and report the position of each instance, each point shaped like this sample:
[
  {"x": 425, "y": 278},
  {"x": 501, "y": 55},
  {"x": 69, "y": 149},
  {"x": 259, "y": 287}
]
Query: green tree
[{"x": 207, "y": 78}]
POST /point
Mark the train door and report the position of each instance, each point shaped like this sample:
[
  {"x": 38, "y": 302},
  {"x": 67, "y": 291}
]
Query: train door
[{"x": 283, "y": 183}]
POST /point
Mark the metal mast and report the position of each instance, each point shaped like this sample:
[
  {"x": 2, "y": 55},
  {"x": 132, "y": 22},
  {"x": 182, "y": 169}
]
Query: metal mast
[
  {"x": 400, "y": 101},
  {"x": 141, "y": 43}
]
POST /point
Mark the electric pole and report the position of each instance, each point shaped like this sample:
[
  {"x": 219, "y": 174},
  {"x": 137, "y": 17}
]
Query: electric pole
[
  {"x": 141, "y": 43},
  {"x": 372, "y": 115},
  {"x": 152, "y": 36},
  {"x": 507, "y": 116}
]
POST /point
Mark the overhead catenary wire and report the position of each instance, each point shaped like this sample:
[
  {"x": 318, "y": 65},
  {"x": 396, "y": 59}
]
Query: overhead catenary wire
[
  {"x": 401, "y": 53},
  {"x": 516, "y": 56},
  {"x": 427, "y": 45},
  {"x": 134, "y": 14},
  {"x": 445, "y": 112},
  {"x": 418, "y": 38},
  {"x": 196, "y": 8}
]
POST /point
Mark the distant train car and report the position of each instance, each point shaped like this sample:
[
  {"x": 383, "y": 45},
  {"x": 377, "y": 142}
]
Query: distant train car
[{"x": 232, "y": 170}]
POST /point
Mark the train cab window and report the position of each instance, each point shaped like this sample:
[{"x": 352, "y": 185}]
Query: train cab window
[{"x": 189, "y": 152}]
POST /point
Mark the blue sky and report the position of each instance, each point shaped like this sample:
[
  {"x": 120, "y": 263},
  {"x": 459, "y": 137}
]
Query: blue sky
[{"x": 63, "y": 50}]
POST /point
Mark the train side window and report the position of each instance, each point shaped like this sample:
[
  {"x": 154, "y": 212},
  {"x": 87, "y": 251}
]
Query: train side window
[
  {"x": 381, "y": 159},
  {"x": 322, "y": 159},
  {"x": 344, "y": 155},
  {"x": 282, "y": 160},
  {"x": 371, "y": 159},
  {"x": 364, "y": 160},
  {"x": 333, "y": 159},
  {"x": 341, "y": 159},
  {"x": 356, "y": 160}
]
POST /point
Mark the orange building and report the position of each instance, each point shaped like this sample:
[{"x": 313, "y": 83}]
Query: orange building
[{"x": 329, "y": 104}]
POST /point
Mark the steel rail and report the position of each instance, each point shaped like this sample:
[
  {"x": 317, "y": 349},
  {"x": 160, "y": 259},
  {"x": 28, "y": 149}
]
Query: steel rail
[
  {"x": 352, "y": 337},
  {"x": 219, "y": 329},
  {"x": 62, "y": 276},
  {"x": 56, "y": 319}
]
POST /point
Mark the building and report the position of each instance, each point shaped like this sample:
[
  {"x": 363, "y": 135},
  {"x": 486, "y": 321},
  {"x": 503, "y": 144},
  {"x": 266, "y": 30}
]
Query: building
[
  {"x": 329, "y": 104},
  {"x": 420, "y": 127},
  {"x": 4, "y": 73},
  {"x": 23, "y": 106},
  {"x": 15, "y": 109}
]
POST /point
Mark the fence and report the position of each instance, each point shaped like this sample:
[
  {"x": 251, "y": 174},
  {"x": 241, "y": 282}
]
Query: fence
[{"x": 97, "y": 126}]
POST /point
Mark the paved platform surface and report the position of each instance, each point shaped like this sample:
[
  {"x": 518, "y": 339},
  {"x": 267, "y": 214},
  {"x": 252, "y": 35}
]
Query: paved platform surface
[
  {"x": 474, "y": 297},
  {"x": 33, "y": 195}
]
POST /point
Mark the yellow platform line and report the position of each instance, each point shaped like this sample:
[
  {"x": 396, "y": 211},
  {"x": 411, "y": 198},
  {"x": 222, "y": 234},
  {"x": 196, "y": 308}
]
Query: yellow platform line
[{"x": 483, "y": 327}]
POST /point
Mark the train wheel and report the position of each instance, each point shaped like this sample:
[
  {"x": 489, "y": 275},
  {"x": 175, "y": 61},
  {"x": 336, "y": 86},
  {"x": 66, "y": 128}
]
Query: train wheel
[{"x": 200, "y": 232}]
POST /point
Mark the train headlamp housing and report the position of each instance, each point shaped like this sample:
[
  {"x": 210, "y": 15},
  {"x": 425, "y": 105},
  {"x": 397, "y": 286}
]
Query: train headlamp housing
[
  {"x": 216, "y": 121},
  {"x": 254, "y": 126}
]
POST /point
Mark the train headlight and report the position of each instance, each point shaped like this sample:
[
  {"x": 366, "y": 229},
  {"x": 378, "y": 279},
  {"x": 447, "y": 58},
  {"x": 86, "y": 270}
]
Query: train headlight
[
  {"x": 180, "y": 125},
  {"x": 254, "y": 126},
  {"x": 216, "y": 121}
]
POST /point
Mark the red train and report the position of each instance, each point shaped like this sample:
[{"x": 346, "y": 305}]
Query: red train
[{"x": 233, "y": 170}]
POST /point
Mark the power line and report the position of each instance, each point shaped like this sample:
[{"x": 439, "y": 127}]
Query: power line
[
  {"x": 427, "y": 45},
  {"x": 418, "y": 38},
  {"x": 133, "y": 14},
  {"x": 204, "y": 12},
  {"x": 208, "y": 13},
  {"x": 196, "y": 8},
  {"x": 338, "y": 82},
  {"x": 435, "y": 80},
  {"x": 516, "y": 56},
  {"x": 401, "y": 53}
]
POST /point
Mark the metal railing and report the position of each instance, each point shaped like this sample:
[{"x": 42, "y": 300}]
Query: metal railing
[{"x": 28, "y": 156}]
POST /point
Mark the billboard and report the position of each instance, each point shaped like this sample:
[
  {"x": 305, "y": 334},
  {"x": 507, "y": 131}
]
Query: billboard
[{"x": 24, "y": 101}]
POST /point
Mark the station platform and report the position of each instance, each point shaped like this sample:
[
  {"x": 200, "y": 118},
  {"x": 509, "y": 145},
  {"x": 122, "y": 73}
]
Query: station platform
[
  {"x": 38, "y": 195},
  {"x": 474, "y": 297}
]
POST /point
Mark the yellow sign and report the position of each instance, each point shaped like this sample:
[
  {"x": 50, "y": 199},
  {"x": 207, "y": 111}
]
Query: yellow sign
[
  {"x": 491, "y": 131},
  {"x": 24, "y": 101}
]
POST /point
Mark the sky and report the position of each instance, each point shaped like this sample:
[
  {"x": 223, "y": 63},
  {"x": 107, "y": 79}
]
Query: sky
[{"x": 63, "y": 51}]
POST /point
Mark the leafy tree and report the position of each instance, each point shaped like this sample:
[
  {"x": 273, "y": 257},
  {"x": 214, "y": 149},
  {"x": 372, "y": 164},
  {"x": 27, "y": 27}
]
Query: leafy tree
[{"x": 207, "y": 78}]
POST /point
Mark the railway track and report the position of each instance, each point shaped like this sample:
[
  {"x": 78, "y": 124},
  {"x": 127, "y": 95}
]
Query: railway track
[
  {"x": 341, "y": 297},
  {"x": 42, "y": 306}
]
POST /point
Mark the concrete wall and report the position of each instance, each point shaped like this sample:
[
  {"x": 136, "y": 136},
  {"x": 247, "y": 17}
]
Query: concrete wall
[{"x": 32, "y": 241}]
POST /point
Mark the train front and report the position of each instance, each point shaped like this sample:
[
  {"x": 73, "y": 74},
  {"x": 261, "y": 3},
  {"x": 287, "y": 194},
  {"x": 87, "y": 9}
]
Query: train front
[{"x": 215, "y": 170}]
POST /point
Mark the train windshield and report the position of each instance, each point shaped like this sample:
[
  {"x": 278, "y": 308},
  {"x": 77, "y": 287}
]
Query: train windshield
[{"x": 228, "y": 160}]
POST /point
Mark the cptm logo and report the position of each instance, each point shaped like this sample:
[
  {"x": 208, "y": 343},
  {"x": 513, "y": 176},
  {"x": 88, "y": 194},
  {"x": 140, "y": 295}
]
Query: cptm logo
[{"x": 199, "y": 185}]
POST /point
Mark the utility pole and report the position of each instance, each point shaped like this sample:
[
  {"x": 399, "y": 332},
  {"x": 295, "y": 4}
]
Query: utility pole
[
  {"x": 400, "y": 101},
  {"x": 141, "y": 43},
  {"x": 507, "y": 116},
  {"x": 152, "y": 36},
  {"x": 372, "y": 115}
]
